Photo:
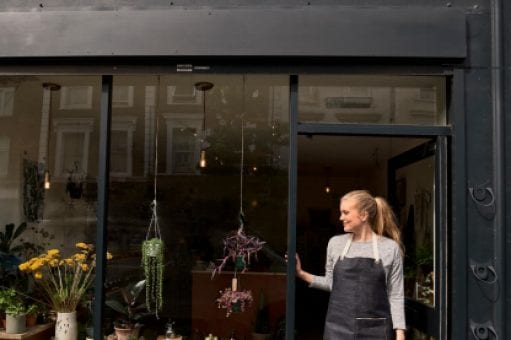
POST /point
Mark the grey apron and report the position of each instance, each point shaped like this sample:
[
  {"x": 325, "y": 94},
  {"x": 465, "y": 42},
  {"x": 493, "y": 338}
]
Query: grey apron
[{"x": 359, "y": 307}]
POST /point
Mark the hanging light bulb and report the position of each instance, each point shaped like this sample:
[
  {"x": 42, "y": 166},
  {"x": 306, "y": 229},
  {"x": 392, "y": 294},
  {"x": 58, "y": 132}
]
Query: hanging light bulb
[
  {"x": 203, "y": 86},
  {"x": 202, "y": 160},
  {"x": 327, "y": 188},
  {"x": 47, "y": 183}
]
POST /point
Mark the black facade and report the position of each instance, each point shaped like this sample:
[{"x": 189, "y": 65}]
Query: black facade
[{"x": 468, "y": 42}]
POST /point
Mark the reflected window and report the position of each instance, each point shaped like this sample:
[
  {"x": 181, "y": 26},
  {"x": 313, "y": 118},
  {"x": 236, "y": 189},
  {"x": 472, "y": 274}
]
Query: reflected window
[
  {"x": 6, "y": 101},
  {"x": 122, "y": 96},
  {"x": 183, "y": 94},
  {"x": 372, "y": 99},
  {"x": 183, "y": 142},
  {"x": 72, "y": 150},
  {"x": 76, "y": 97},
  {"x": 121, "y": 146},
  {"x": 4, "y": 155}
]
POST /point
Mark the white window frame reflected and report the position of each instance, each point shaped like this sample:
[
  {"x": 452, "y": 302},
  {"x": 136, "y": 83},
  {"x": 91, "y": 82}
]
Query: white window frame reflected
[
  {"x": 5, "y": 146},
  {"x": 182, "y": 121},
  {"x": 118, "y": 101},
  {"x": 66, "y": 92},
  {"x": 126, "y": 124},
  {"x": 72, "y": 125},
  {"x": 194, "y": 99},
  {"x": 6, "y": 105}
]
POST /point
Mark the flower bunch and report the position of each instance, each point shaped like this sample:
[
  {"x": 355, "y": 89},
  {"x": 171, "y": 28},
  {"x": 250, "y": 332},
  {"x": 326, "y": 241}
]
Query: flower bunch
[
  {"x": 234, "y": 301},
  {"x": 64, "y": 279}
]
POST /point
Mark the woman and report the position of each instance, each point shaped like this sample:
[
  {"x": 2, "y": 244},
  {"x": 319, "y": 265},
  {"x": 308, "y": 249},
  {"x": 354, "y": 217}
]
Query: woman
[{"x": 364, "y": 272}]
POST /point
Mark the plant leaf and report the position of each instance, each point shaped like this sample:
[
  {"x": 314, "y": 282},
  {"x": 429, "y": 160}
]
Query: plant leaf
[
  {"x": 117, "y": 306},
  {"x": 21, "y": 228},
  {"x": 137, "y": 288},
  {"x": 9, "y": 228}
]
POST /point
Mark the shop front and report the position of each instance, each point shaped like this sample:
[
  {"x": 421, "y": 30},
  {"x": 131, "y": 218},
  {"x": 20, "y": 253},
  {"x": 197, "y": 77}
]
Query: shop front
[{"x": 199, "y": 145}]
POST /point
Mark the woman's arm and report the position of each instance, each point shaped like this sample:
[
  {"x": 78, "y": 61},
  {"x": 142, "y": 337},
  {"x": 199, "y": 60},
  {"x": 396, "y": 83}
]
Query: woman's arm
[
  {"x": 395, "y": 290},
  {"x": 400, "y": 334}
]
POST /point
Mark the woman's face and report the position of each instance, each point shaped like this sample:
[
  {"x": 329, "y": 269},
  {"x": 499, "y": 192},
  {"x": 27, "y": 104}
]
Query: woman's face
[{"x": 351, "y": 217}]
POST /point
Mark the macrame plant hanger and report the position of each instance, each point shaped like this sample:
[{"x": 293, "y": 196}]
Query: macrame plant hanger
[{"x": 153, "y": 249}]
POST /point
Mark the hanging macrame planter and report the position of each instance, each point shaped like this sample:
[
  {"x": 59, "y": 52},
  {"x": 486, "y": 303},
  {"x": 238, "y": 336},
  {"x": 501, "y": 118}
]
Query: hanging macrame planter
[
  {"x": 238, "y": 248},
  {"x": 153, "y": 250}
]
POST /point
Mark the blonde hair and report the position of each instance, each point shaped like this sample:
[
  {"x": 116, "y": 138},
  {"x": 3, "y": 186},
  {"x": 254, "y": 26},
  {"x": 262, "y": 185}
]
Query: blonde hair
[{"x": 379, "y": 213}]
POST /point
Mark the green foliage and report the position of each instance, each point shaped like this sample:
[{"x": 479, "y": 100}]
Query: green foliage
[
  {"x": 152, "y": 261},
  {"x": 9, "y": 235},
  {"x": 128, "y": 305},
  {"x": 11, "y": 302}
]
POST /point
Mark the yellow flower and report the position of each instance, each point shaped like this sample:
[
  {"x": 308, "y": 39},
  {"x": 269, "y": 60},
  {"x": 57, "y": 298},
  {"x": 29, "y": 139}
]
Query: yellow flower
[
  {"x": 36, "y": 265},
  {"x": 109, "y": 256},
  {"x": 82, "y": 245},
  {"x": 84, "y": 266},
  {"x": 53, "y": 252},
  {"x": 69, "y": 262},
  {"x": 54, "y": 263},
  {"x": 38, "y": 275},
  {"x": 79, "y": 257},
  {"x": 24, "y": 266}
]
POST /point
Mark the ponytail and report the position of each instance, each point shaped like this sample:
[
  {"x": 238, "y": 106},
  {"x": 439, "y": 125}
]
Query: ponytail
[
  {"x": 381, "y": 216},
  {"x": 385, "y": 221}
]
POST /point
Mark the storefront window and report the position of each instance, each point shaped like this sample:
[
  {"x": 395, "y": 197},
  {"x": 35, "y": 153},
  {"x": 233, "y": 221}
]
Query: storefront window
[
  {"x": 372, "y": 99},
  {"x": 48, "y": 178},
  {"x": 192, "y": 151}
]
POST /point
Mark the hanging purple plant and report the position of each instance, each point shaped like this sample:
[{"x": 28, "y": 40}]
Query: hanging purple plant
[
  {"x": 234, "y": 301},
  {"x": 239, "y": 248}
]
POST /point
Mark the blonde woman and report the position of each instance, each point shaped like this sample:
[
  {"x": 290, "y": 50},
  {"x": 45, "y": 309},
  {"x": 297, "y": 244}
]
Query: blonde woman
[{"x": 364, "y": 273}]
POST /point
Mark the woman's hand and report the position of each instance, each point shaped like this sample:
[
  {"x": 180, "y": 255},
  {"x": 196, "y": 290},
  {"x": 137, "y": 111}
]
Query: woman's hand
[{"x": 300, "y": 273}]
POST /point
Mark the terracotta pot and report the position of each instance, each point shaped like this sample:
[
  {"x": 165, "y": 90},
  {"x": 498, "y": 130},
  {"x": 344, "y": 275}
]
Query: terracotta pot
[
  {"x": 261, "y": 336},
  {"x": 127, "y": 333},
  {"x": 31, "y": 320}
]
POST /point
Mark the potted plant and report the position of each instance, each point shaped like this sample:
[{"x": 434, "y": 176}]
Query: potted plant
[
  {"x": 31, "y": 314},
  {"x": 15, "y": 311},
  {"x": 127, "y": 326},
  {"x": 262, "y": 320},
  {"x": 64, "y": 281}
]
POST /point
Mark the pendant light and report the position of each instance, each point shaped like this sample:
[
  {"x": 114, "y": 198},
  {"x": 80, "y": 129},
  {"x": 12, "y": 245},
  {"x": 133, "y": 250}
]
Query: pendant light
[
  {"x": 51, "y": 87},
  {"x": 327, "y": 188},
  {"x": 203, "y": 86}
]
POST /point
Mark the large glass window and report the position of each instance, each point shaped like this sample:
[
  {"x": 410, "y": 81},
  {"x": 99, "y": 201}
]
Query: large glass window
[
  {"x": 48, "y": 175},
  {"x": 208, "y": 146},
  {"x": 372, "y": 99}
]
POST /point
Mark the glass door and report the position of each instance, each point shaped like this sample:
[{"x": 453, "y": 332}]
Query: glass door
[{"x": 414, "y": 190}]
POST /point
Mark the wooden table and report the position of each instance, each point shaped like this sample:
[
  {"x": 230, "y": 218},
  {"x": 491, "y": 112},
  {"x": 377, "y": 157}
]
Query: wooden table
[{"x": 37, "y": 332}]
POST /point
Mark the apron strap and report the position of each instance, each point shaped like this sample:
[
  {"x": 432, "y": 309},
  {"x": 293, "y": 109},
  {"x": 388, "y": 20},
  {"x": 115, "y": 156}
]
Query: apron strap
[{"x": 376, "y": 252}]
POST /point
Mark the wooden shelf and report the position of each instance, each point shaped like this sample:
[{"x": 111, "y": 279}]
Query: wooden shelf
[{"x": 38, "y": 332}]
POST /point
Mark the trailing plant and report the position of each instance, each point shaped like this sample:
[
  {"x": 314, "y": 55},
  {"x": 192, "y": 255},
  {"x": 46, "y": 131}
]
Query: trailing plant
[
  {"x": 234, "y": 301},
  {"x": 152, "y": 262},
  {"x": 239, "y": 248}
]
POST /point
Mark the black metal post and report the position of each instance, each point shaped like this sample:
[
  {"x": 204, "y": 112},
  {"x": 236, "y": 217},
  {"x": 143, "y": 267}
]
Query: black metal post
[
  {"x": 499, "y": 180},
  {"x": 102, "y": 205},
  {"x": 291, "y": 211},
  {"x": 459, "y": 236}
]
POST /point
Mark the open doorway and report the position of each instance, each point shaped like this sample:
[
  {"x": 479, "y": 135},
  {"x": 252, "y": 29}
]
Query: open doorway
[{"x": 402, "y": 169}]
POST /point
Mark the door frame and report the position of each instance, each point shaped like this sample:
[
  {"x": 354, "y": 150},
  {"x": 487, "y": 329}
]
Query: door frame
[{"x": 446, "y": 139}]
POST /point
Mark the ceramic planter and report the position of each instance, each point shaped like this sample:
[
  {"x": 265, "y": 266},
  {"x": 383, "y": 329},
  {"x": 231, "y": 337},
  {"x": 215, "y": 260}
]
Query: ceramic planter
[{"x": 15, "y": 324}]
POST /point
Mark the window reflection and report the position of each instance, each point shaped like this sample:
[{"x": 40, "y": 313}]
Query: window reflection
[
  {"x": 372, "y": 99},
  {"x": 171, "y": 122}
]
